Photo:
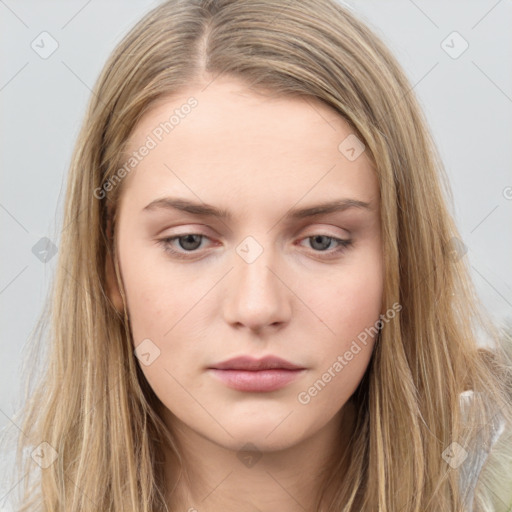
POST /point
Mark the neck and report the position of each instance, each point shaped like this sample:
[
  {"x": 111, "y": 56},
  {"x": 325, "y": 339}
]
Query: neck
[{"x": 215, "y": 478}]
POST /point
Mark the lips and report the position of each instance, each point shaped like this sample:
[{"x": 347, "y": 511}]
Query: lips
[
  {"x": 251, "y": 364},
  {"x": 256, "y": 375}
]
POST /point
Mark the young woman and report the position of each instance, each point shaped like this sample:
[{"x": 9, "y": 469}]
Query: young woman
[{"x": 261, "y": 301}]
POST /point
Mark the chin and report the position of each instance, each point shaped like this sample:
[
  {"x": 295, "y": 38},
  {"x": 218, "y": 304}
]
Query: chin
[
  {"x": 267, "y": 433},
  {"x": 246, "y": 440}
]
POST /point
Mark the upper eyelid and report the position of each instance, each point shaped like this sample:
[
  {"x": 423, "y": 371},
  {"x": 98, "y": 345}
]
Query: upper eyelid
[
  {"x": 201, "y": 230},
  {"x": 319, "y": 232}
]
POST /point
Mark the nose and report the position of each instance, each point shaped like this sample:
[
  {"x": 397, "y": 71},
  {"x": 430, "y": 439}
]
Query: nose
[{"x": 256, "y": 294}]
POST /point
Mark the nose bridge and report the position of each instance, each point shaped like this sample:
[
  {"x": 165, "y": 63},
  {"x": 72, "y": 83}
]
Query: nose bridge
[
  {"x": 256, "y": 296},
  {"x": 252, "y": 267}
]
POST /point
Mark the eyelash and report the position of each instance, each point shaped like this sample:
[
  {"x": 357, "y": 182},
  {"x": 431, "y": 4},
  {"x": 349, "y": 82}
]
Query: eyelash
[{"x": 166, "y": 243}]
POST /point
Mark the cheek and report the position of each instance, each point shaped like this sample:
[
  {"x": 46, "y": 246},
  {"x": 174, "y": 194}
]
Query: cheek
[
  {"x": 349, "y": 299},
  {"x": 157, "y": 295},
  {"x": 148, "y": 304},
  {"x": 349, "y": 307}
]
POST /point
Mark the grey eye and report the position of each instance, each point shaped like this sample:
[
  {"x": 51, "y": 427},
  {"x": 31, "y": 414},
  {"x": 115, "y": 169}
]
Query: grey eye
[
  {"x": 190, "y": 242},
  {"x": 320, "y": 242}
]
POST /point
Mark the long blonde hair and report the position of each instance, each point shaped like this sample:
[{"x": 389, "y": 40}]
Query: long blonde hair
[{"x": 91, "y": 403}]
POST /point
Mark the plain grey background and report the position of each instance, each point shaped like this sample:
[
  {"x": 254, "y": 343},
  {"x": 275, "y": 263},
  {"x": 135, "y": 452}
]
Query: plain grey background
[{"x": 466, "y": 95}]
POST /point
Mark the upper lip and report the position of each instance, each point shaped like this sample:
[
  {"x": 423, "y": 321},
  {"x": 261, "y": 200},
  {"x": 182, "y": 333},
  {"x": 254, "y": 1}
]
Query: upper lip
[{"x": 250, "y": 363}]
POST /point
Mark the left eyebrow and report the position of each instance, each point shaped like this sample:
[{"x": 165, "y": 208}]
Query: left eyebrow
[{"x": 206, "y": 210}]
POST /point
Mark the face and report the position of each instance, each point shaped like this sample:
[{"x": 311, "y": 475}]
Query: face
[{"x": 223, "y": 255}]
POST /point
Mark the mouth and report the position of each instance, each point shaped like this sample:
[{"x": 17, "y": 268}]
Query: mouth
[{"x": 256, "y": 375}]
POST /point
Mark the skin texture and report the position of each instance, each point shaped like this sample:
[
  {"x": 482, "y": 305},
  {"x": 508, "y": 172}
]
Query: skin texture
[{"x": 257, "y": 157}]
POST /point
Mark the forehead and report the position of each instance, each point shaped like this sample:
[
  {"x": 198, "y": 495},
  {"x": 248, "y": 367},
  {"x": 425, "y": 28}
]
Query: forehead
[
  {"x": 226, "y": 109},
  {"x": 226, "y": 135}
]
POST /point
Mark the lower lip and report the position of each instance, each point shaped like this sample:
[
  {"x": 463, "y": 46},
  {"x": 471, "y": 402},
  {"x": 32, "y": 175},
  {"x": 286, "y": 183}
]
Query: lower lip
[{"x": 256, "y": 381}]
